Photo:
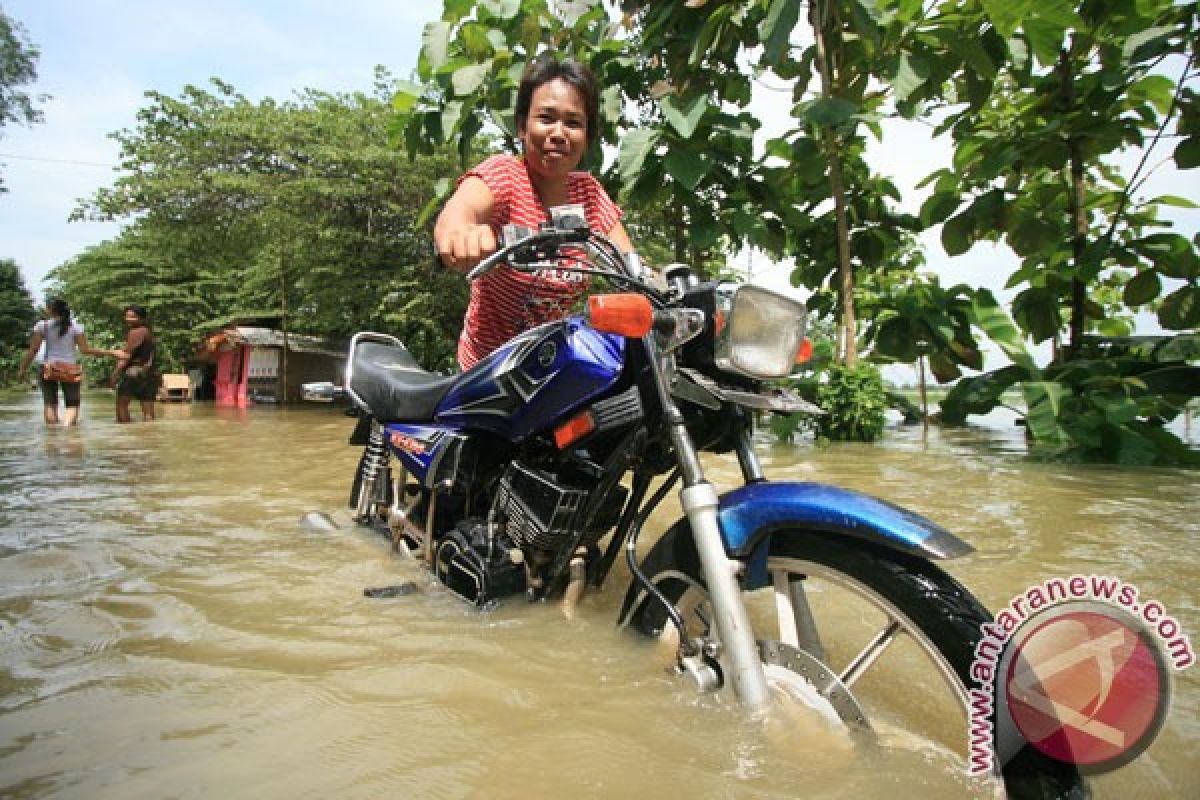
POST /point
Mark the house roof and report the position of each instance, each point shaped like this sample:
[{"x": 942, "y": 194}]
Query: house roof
[{"x": 270, "y": 337}]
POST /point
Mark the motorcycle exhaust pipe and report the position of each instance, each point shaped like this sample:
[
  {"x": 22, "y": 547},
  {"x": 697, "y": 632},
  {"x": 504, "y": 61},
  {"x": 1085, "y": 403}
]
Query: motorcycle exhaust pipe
[{"x": 322, "y": 392}]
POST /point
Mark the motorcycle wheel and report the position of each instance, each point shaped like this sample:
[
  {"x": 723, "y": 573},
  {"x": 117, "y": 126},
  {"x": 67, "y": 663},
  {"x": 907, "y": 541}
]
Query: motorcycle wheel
[{"x": 858, "y": 596}]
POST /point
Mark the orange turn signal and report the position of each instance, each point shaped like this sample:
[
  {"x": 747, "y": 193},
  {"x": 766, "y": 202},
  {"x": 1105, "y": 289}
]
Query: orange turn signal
[
  {"x": 718, "y": 322},
  {"x": 627, "y": 314},
  {"x": 574, "y": 429},
  {"x": 804, "y": 353}
]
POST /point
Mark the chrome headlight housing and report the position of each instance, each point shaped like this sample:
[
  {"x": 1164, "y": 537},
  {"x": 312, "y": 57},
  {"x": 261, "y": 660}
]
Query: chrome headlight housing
[{"x": 762, "y": 331}]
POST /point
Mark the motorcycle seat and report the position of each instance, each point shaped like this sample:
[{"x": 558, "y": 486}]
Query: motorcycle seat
[{"x": 393, "y": 385}]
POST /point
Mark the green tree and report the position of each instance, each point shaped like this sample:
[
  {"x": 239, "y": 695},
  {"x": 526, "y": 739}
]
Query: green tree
[
  {"x": 1084, "y": 81},
  {"x": 297, "y": 210},
  {"x": 18, "y": 69},
  {"x": 868, "y": 61},
  {"x": 17, "y": 315},
  {"x": 912, "y": 318},
  {"x": 855, "y": 402}
]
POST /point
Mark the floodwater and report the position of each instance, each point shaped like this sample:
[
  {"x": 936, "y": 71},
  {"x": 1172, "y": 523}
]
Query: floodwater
[{"x": 168, "y": 628}]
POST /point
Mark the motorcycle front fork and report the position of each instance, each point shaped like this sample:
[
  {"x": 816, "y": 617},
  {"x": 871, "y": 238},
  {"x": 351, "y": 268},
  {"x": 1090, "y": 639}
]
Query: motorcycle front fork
[{"x": 700, "y": 503}]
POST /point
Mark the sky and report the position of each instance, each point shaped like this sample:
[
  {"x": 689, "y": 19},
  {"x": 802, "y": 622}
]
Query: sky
[{"x": 98, "y": 59}]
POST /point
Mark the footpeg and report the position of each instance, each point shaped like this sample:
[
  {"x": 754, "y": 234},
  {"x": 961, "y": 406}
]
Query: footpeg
[{"x": 700, "y": 673}]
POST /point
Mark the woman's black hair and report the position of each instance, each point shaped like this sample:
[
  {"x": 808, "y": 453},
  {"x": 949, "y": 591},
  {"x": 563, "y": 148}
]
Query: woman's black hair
[
  {"x": 61, "y": 310},
  {"x": 141, "y": 312},
  {"x": 546, "y": 68}
]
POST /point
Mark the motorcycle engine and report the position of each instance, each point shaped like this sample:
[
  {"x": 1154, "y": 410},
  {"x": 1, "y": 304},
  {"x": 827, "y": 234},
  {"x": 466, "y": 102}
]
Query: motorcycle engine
[
  {"x": 541, "y": 511},
  {"x": 537, "y": 511},
  {"x": 535, "y": 515},
  {"x": 480, "y": 568}
]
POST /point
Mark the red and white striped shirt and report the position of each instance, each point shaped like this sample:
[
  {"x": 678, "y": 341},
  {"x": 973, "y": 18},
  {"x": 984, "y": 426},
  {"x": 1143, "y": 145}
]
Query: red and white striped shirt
[{"x": 505, "y": 302}]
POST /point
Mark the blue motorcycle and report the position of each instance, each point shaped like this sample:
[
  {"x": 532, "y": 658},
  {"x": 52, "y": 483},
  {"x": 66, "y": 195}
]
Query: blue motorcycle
[{"x": 532, "y": 472}]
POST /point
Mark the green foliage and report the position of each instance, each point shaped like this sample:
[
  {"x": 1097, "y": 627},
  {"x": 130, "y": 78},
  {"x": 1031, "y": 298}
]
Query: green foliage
[
  {"x": 1110, "y": 404},
  {"x": 18, "y": 68},
  {"x": 300, "y": 210},
  {"x": 855, "y": 401},
  {"x": 1080, "y": 83},
  {"x": 909, "y": 315},
  {"x": 17, "y": 315}
]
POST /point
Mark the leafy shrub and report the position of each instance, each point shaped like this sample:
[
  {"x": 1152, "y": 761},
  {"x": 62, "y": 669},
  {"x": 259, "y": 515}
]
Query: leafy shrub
[
  {"x": 1110, "y": 403},
  {"x": 854, "y": 401}
]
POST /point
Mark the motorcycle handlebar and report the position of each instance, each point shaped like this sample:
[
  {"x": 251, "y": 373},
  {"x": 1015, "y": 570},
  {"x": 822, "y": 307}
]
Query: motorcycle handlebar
[
  {"x": 539, "y": 246},
  {"x": 525, "y": 250}
]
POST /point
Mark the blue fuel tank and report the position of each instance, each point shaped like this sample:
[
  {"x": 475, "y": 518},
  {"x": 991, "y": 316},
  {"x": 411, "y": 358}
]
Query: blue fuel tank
[{"x": 535, "y": 381}]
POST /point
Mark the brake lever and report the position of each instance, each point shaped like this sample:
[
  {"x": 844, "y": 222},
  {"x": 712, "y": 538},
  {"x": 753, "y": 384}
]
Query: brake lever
[
  {"x": 527, "y": 249},
  {"x": 487, "y": 265}
]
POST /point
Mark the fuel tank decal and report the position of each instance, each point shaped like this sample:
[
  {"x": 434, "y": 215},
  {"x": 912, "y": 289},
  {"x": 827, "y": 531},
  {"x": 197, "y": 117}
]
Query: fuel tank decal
[
  {"x": 513, "y": 385},
  {"x": 536, "y": 379}
]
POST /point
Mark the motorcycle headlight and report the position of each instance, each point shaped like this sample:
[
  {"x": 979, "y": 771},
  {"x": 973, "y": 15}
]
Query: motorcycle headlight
[{"x": 762, "y": 332}]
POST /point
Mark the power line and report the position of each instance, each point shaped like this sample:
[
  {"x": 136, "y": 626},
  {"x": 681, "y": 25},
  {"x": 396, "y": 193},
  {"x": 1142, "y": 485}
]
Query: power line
[{"x": 55, "y": 160}]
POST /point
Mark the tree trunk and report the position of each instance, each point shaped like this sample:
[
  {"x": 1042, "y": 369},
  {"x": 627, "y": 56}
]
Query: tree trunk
[
  {"x": 818, "y": 13},
  {"x": 845, "y": 272},
  {"x": 679, "y": 234},
  {"x": 283, "y": 299},
  {"x": 924, "y": 396},
  {"x": 1079, "y": 224}
]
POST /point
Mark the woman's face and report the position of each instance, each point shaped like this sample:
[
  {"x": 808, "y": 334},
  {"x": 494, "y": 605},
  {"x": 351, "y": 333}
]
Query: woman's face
[{"x": 554, "y": 134}]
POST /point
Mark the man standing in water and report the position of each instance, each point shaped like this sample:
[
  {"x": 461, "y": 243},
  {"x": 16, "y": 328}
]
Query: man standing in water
[{"x": 136, "y": 375}]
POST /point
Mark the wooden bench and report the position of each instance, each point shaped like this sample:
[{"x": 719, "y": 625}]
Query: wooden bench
[{"x": 176, "y": 387}]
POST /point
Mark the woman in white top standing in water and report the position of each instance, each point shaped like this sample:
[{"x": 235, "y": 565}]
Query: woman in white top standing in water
[{"x": 62, "y": 336}]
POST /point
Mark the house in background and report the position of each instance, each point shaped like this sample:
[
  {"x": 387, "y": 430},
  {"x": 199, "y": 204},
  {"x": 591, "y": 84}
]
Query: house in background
[{"x": 250, "y": 364}]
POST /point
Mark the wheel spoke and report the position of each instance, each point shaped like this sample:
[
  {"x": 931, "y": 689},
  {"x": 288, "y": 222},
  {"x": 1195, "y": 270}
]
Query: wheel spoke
[
  {"x": 796, "y": 624},
  {"x": 870, "y": 654},
  {"x": 785, "y": 609}
]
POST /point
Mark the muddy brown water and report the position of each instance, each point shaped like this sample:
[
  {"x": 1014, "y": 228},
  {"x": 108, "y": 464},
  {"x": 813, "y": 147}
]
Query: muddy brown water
[{"x": 169, "y": 629}]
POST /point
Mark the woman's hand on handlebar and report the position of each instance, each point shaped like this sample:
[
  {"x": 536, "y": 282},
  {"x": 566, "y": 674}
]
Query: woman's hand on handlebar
[
  {"x": 462, "y": 236},
  {"x": 461, "y": 247}
]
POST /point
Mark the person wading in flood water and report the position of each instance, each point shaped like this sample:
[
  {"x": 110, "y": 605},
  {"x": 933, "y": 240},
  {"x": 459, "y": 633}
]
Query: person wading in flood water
[
  {"x": 62, "y": 336},
  {"x": 136, "y": 375}
]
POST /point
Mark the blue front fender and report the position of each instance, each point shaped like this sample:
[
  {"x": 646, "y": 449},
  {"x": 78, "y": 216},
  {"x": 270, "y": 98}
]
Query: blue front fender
[{"x": 749, "y": 516}]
